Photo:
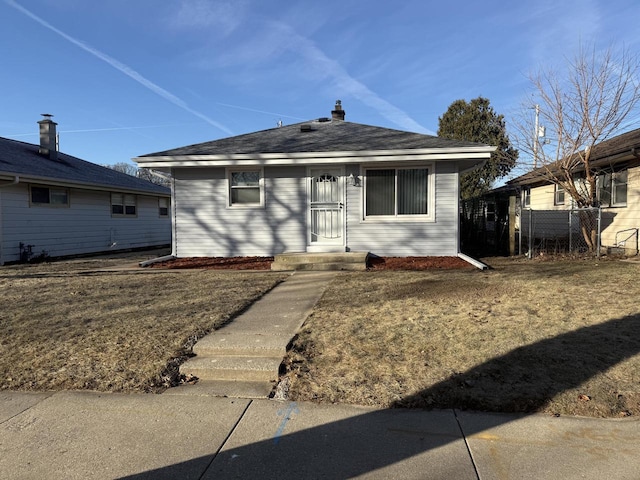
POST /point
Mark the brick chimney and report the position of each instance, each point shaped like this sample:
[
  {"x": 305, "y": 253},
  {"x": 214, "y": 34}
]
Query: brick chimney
[
  {"x": 338, "y": 112},
  {"x": 48, "y": 140}
]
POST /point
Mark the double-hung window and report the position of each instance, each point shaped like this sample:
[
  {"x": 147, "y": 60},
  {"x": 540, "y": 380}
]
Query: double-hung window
[
  {"x": 398, "y": 192},
  {"x": 163, "y": 206},
  {"x": 526, "y": 197},
  {"x": 245, "y": 188},
  {"x": 613, "y": 189},
  {"x": 49, "y": 196},
  {"x": 558, "y": 195},
  {"x": 123, "y": 205}
]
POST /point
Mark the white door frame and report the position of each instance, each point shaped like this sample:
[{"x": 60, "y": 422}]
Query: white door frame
[{"x": 335, "y": 242}]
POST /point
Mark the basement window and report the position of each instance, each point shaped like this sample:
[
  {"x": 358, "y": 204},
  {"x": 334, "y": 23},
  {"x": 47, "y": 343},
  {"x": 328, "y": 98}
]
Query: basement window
[
  {"x": 49, "y": 196},
  {"x": 123, "y": 205}
]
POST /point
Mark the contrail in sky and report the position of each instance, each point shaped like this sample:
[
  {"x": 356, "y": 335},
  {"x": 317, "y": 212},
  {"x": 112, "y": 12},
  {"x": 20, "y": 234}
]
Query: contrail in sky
[{"x": 121, "y": 67}]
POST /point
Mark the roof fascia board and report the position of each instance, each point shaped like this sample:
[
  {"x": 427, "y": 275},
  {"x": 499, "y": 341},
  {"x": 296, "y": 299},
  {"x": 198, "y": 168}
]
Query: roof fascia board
[
  {"x": 481, "y": 153},
  {"x": 85, "y": 186}
]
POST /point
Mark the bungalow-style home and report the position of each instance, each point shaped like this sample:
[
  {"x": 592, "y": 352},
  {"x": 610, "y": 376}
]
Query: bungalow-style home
[
  {"x": 617, "y": 164},
  {"x": 55, "y": 205},
  {"x": 325, "y": 185}
]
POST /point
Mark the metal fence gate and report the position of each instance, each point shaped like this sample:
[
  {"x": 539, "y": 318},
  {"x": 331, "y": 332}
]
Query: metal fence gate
[{"x": 554, "y": 232}]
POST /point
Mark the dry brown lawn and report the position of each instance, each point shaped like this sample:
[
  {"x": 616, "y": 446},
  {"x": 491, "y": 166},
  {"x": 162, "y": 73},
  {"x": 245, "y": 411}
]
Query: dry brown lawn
[
  {"x": 65, "y": 325},
  {"x": 560, "y": 337}
]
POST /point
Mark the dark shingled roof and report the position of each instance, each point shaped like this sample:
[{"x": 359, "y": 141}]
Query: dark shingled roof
[
  {"x": 622, "y": 148},
  {"x": 323, "y": 135},
  {"x": 23, "y": 159}
]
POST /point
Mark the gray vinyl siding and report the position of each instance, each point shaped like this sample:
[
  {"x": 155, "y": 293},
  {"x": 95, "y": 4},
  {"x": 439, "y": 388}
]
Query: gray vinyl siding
[
  {"x": 85, "y": 226},
  {"x": 399, "y": 239},
  {"x": 207, "y": 227}
]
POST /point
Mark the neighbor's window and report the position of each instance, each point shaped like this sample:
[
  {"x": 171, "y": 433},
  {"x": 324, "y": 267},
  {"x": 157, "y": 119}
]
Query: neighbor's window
[
  {"x": 163, "y": 206},
  {"x": 397, "y": 191},
  {"x": 245, "y": 187},
  {"x": 123, "y": 204},
  {"x": 612, "y": 189},
  {"x": 526, "y": 197},
  {"x": 53, "y": 196},
  {"x": 558, "y": 195}
]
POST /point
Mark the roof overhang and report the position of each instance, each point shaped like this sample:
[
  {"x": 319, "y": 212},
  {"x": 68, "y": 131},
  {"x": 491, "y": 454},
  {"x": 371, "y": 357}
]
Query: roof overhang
[
  {"x": 82, "y": 185},
  {"x": 470, "y": 157}
]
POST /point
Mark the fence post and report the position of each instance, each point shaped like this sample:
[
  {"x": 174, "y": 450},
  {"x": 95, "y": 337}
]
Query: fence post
[
  {"x": 599, "y": 226},
  {"x": 530, "y": 253},
  {"x": 571, "y": 231}
]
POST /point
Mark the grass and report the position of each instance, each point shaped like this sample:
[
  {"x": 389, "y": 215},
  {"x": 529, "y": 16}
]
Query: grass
[
  {"x": 66, "y": 326},
  {"x": 560, "y": 337}
]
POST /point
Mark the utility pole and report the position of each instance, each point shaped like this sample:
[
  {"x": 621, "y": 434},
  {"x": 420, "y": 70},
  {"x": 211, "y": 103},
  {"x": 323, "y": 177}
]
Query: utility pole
[{"x": 535, "y": 137}]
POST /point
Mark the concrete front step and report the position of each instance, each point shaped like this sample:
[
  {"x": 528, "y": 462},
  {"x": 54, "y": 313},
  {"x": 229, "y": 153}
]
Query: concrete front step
[
  {"x": 225, "y": 388},
  {"x": 237, "y": 368},
  {"x": 320, "y": 261},
  {"x": 241, "y": 344}
]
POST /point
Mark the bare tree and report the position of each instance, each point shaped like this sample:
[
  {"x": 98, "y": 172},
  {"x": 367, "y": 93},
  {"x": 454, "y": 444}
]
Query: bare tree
[
  {"x": 153, "y": 176},
  {"x": 580, "y": 108},
  {"x": 147, "y": 174},
  {"x": 124, "y": 167}
]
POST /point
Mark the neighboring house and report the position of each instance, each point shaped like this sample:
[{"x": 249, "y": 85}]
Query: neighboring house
[
  {"x": 56, "y": 205},
  {"x": 326, "y": 185},
  {"x": 617, "y": 163}
]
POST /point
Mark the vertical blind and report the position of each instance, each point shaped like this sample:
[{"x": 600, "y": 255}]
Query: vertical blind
[{"x": 397, "y": 191}]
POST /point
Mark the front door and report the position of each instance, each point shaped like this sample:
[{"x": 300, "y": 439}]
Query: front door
[{"x": 326, "y": 208}]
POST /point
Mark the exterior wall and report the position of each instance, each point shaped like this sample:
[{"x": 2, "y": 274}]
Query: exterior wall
[
  {"x": 207, "y": 227},
  {"x": 618, "y": 221},
  {"x": 408, "y": 238},
  {"x": 85, "y": 226}
]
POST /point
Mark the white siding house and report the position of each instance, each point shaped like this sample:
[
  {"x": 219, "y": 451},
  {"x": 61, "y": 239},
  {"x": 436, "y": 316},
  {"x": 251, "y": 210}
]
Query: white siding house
[
  {"x": 321, "y": 186},
  {"x": 56, "y": 205}
]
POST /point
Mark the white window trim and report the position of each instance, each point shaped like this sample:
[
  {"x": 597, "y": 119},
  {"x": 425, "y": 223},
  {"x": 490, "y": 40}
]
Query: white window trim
[
  {"x": 49, "y": 204},
  {"x": 228, "y": 173},
  {"x": 431, "y": 194}
]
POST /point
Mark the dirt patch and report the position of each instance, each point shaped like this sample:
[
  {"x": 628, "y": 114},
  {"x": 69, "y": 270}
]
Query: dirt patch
[
  {"x": 264, "y": 263},
  {"x": 218, "y": 263},
  {"x": 417, "y": 263}
]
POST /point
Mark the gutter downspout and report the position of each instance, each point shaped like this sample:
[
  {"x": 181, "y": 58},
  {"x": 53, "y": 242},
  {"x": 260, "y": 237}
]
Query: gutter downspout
[
  {"x": 473, "y": 261},
  {"x": 15, "y": 181}
]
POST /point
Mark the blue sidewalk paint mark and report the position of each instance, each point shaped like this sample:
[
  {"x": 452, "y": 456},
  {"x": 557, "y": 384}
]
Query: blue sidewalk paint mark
[{"x": 291, "y": 409}]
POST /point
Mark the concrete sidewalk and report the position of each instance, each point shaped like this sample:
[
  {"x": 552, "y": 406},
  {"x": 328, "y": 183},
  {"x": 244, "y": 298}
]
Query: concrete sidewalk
[{"x": 80, "y": 435}]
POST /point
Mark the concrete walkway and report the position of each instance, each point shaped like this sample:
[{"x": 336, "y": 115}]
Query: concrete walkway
[
  {"x": 242, "y": 359},
  {"x": 84, "y": 435}
]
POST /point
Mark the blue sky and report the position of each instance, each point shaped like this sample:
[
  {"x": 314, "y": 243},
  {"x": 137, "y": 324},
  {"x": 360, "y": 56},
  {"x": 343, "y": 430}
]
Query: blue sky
[{"x": 125, "y": 78}]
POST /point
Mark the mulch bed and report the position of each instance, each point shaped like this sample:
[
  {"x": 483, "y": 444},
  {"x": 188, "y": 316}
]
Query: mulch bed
[{"x": 264, "y": 263}]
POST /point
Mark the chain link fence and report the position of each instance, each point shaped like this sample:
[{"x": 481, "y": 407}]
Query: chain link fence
[{"x": 560, "y": 232}]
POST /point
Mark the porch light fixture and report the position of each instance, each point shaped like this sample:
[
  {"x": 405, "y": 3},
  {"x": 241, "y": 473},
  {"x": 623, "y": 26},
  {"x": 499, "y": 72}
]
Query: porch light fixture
[{"x": 353, "y": 180}]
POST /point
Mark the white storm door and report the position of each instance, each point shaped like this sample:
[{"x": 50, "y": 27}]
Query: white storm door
[{"x": 326, "y": 205}]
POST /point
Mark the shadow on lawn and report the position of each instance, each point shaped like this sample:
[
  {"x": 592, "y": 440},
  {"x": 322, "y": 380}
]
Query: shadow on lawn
[{"x": 359, "y": 445}]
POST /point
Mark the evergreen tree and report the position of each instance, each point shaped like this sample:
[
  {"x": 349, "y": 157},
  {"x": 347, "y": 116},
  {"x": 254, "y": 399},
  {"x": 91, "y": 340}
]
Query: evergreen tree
[{"x": 476, "y": 121}]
